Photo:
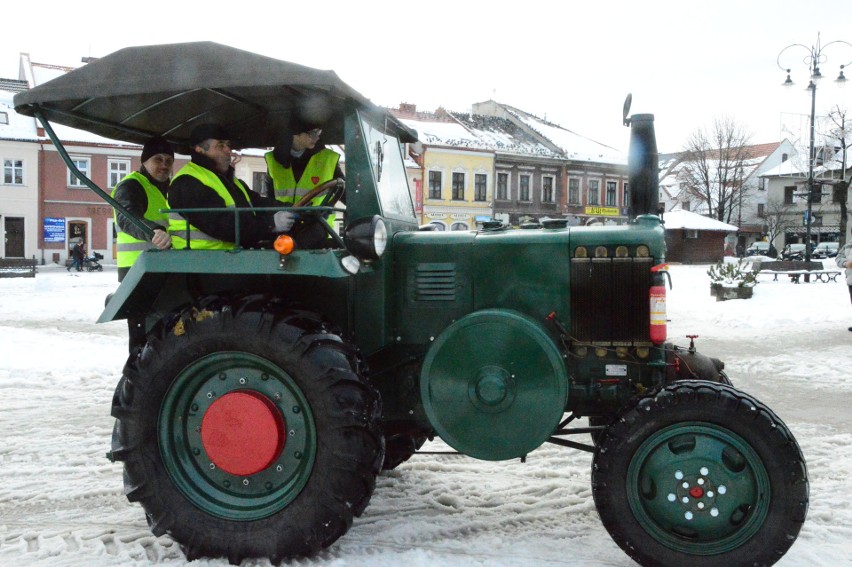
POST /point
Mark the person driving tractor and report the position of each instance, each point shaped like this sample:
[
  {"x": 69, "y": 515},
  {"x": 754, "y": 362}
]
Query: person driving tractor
[{"x": 297, "y": 165}]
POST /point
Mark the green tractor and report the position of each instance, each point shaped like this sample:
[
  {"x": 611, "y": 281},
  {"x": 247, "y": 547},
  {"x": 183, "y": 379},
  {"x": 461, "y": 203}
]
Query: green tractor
[{"x": 275, "y": 386}]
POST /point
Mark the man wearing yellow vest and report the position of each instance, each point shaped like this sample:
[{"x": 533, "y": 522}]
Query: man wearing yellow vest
[
  {"x": 143, "y": 194},
  {"x": 208, "y": 181},
  {"x": 298, "y": 164}
]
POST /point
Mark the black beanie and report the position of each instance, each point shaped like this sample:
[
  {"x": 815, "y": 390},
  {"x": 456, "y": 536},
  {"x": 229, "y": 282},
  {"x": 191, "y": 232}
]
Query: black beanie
[
  {"x": 154, "y": 146},
  {"x": 298, "y": 125},
  {"x": 206, "y": 132}
]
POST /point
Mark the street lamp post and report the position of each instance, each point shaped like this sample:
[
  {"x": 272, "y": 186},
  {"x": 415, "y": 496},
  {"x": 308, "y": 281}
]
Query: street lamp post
[{"x": 814, "y": 57}]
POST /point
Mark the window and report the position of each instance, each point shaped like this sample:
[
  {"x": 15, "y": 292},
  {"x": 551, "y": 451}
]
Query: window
[
  {"x": 4, "y": 118},
  {"x": 784, "y": 157},
  {"x": 594, "y": 192},
  {"x": 611, "y": 194},
  {"x": 762, "y": 184},
  {"x": 816, "y": 197},
  {"x": 13, "y": 172},
  {"x": 434, "y": 184},
  {"x": 686, "y": 205},
  {"x": 691, "y": 233},
  {"x": 788, "y": 195},
  {"x": 459, "y": 226},
  {"x": 260, "y": 182},
  {"x": 574, "y": 191},
  {"x": 118, "y": 169},
  {"x": 547, "y": 189},
  {"x": 761, "y": 210},
  {"x": 503, "y": 186},
  {"x": 83, "y": 165},
  {"x": 479, "y": 187},
  {"x": 524, "y": 188},
  {"x": 458, "y": 186}
]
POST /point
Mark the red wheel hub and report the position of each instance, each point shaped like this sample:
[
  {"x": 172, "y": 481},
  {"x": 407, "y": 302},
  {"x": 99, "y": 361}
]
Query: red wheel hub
[
  {"x": 243, "y": 433},
  {"x": 696, "y": 492}
]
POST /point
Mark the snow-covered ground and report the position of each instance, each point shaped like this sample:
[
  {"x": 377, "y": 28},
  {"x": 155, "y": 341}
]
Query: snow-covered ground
[{"x": 62, "y": 502}]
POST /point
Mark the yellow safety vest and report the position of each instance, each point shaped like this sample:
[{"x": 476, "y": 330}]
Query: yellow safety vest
[
  {"x": 129, "y": 248},
  {"x": 178, "y": 225},
  {"x": 320, "y": 169}
]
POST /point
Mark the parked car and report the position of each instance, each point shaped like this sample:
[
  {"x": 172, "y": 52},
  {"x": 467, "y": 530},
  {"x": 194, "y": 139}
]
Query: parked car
[
  {"x": 794, "y": 252},
  {"x": 758, "y": 249},
  {"x": 825, "y": 250}
]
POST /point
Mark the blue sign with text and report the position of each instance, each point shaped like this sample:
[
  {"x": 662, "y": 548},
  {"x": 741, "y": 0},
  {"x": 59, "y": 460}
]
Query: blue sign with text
[{"x": 54, "y": 229}]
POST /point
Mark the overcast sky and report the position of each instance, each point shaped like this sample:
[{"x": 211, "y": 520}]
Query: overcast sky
[{"x": 687, "y": 63}]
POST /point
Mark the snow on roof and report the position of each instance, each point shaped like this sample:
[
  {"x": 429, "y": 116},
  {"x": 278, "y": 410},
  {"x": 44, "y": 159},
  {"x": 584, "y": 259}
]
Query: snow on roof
[
  {"x": 15, "y": 126},
  {"x": 691, "y": 221},
  {"x": 505, "y": 135},
  {"x": 785, "y": 169},
  {"x": 573, "y": 145},
  {"x": 443, "y": 133},
  {"x": 502, "y": 135}
]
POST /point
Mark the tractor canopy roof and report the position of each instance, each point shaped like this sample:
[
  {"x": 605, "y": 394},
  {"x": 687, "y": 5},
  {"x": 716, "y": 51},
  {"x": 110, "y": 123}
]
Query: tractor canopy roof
[{"x": 167, "y": 90}]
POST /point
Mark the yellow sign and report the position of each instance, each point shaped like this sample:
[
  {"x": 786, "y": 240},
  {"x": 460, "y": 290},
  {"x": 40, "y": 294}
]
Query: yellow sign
[{"x": 602, "y": 211}]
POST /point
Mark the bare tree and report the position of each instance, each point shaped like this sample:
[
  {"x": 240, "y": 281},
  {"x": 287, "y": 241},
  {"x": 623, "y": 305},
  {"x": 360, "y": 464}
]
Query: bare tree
[
  {"x": 715, "y": 165},
  {"x": 841, "y": 132},
  {"x": 779, "y": 217}
]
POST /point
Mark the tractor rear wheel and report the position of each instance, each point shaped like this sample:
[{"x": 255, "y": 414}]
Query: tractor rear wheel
[
  {"x": 246, "y": 430},
  {"x": 700, "y": 474}
]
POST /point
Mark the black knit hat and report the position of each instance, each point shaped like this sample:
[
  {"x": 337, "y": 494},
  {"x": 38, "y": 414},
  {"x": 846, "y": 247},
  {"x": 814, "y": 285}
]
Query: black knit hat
[
  {"x": 206, "y": 132},
  {"x": 154, "y": 146},
  {"x": 298, "y": 125}
]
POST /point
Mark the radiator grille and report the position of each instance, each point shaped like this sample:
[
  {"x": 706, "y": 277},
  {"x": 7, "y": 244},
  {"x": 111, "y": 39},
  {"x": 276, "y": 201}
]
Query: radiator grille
[{"x": 609, "y": 300}]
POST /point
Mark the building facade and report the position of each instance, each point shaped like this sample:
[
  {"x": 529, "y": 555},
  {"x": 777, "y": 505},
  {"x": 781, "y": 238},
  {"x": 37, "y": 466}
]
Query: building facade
[{"x": 19, "y": 182}]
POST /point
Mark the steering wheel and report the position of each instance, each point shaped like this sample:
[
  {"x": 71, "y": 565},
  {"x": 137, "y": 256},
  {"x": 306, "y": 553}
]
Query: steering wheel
[{"x": 335, "y": 189}]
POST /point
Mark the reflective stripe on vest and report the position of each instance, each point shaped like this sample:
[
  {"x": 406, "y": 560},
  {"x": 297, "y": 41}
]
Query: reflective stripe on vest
[
  {"x": 129, "y": 248},
  {"x": 178, "y": 225}
]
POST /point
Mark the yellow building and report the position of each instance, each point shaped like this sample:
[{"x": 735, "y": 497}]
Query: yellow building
[{"x": 457, "y": 187}]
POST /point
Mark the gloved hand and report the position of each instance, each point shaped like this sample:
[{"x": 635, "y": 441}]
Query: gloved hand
[{"x": 284, "y": 220}]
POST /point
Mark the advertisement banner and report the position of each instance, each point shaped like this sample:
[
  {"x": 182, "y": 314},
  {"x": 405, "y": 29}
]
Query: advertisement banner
[{"x": 54, "y": 229}]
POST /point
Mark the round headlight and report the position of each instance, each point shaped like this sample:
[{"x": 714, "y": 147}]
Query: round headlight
[
  {"x": 380, "y": 237},
  {"x": 367, "y": 238}
]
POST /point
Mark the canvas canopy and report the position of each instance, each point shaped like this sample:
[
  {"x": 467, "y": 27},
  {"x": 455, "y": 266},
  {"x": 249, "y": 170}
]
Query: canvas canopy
[{"x": 167, "y": 90}]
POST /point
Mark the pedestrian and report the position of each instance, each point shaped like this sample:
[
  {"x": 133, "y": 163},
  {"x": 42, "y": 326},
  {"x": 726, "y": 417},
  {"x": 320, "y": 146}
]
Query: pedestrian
[
  {"x": 298, "y": 164},
  {"x": 844, "y": 260},
  {"x": 77, "y": 256},
  {"x": 208, "y": 181},
  {"x": 143, "y": 194}
]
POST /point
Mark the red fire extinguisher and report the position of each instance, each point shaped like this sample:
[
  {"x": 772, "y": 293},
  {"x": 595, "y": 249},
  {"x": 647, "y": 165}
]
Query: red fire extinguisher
[{"x": 657, "y": 297}]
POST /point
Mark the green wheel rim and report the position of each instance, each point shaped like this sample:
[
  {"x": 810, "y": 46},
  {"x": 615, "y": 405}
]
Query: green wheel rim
[
  {"x": 698, "y": 488},
  {"x": 213, "y": 490}
]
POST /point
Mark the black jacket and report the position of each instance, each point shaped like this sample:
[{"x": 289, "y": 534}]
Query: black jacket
[
  {"x": 186, "y": 192},
  {"x": 131, "y": 195}
]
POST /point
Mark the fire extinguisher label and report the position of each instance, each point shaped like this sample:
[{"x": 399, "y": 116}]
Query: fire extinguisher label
[{"x": 658, "y": 310}]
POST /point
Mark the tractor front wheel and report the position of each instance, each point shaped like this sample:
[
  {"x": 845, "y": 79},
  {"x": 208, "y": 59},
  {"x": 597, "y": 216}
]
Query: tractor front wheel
[{"x": 700, "y": 474}]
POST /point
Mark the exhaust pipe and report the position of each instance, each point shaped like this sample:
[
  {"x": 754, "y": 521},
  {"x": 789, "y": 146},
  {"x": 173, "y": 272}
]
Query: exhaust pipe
[{"x": 642, "y": 164}]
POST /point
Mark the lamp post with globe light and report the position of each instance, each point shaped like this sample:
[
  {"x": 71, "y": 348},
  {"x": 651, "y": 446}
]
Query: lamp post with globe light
[{"x": 813, "y": 58}]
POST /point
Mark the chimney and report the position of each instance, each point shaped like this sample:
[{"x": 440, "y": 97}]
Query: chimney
[{"x": 407, "y": 107}]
